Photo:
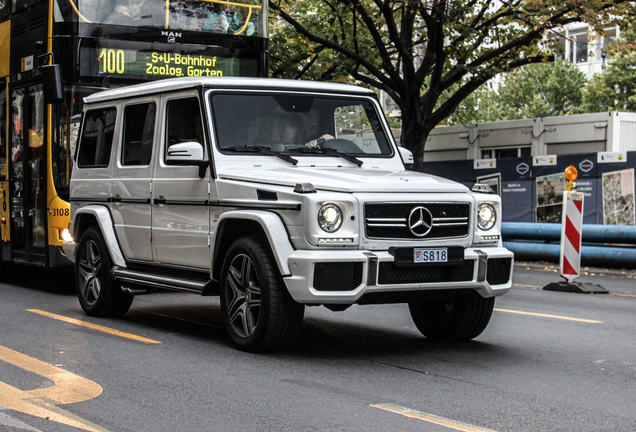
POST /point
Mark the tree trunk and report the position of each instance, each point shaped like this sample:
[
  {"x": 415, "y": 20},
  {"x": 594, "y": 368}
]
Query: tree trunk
[{"x": 414, "y": 134}]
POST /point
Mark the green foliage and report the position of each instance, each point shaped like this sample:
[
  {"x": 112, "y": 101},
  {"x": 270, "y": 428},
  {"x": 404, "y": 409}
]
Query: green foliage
[
  {"x": 615, "y": 88},
  {"x": 537, "y": 90},
  {"x": 428, "y": 56}
]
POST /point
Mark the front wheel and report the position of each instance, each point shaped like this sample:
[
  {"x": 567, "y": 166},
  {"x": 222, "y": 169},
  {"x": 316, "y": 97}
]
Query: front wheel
[
  {"x": 98, "y": 292},
  {"x": 453, "y": 319},
  {"x": 258, "y": 312}
]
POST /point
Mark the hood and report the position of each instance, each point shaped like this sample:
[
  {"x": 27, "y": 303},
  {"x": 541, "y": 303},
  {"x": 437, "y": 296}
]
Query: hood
[{"x": 348, "y": 180}]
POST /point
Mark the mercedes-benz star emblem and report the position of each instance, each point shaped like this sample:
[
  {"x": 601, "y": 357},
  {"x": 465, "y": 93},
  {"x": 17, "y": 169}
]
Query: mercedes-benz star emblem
[{"x": 420, "y": 221}]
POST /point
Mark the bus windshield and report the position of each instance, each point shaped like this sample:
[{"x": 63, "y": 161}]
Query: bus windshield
[{"x": 243, "y": 17}]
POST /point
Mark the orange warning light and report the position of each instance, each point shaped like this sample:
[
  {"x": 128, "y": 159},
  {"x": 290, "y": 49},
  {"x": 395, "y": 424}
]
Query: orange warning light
[{"x": 571, "y": 173}]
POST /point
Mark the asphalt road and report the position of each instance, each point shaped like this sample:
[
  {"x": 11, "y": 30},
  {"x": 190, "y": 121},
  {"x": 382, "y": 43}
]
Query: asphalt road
[{"x": 548, "y": 361}]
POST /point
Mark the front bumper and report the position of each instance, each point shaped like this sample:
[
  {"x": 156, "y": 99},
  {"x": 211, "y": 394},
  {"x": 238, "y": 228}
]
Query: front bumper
[{"x": 375, "y": 272}]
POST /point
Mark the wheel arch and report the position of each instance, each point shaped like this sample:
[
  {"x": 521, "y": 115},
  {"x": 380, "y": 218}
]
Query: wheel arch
[
  {"x": 235, "y": 224},
  {"x": 98, "y": 216}
]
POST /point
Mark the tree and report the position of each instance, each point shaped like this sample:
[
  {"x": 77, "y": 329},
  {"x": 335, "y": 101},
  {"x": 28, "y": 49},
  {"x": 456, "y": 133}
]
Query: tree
[
  {"x": 537, "y": 90},
  {"x": 417, "y": 50},
  {"x": 614, "y": 89}
]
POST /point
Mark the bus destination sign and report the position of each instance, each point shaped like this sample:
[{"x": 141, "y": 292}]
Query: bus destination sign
[{"x": 157, "y": 64}]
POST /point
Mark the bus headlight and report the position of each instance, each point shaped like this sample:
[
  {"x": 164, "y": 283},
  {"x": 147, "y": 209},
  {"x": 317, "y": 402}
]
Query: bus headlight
[
  {"x": 486, "y": 216},
  {"x": 65, "y": 235},
  {"x": 330, "y": 217}
]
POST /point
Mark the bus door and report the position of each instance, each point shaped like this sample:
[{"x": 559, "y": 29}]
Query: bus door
[{"x": 27, "y": 175}]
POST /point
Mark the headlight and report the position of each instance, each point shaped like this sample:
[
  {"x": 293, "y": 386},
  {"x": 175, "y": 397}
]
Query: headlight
[
  {"x": 486, "y": 216},
  {"x": 330, "y": 218}
]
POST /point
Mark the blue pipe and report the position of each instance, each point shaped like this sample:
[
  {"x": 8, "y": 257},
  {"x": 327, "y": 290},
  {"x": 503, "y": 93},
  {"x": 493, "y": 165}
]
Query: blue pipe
[
  {"x": 552, "y": 232},
  {"x": 613, "y": 257}
]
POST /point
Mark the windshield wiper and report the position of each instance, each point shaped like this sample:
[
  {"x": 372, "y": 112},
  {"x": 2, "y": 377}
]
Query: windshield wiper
[
  {"x": 328, "y": 152},
  {"x": 261, "y": 150}
]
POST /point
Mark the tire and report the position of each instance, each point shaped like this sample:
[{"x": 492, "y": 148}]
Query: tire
[
  {"x": 258, "y": 312},
  {"x": 454, "y": 319},
  {"x": 99, "y": 293}
]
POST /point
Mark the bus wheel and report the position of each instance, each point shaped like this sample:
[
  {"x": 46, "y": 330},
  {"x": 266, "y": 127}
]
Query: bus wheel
[
  {"x": 258, "y": 312},
  {"x": 98, "y": 292},
  {"x": 453, "y": 319}
]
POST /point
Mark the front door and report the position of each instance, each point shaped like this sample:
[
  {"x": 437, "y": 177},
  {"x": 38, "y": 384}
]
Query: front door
[{"x": 28, "y": 175}]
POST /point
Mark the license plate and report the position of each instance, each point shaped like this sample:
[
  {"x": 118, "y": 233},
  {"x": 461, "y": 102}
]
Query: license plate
[{"x": 429, "y": 255}]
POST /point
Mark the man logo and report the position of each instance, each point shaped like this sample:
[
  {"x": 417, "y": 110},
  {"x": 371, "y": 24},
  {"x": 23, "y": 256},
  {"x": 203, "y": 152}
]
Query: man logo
[{"x": 420, "y": 221}]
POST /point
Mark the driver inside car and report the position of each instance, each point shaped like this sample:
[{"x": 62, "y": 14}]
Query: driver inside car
[{"x": 290, "y": 130}]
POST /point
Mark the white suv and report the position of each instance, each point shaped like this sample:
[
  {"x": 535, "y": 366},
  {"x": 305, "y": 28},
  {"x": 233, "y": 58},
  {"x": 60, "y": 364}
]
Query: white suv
[{"x": 192, "y": 184}]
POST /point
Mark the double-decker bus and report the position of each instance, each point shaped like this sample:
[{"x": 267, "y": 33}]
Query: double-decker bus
[{"x": 96, "y": 44}]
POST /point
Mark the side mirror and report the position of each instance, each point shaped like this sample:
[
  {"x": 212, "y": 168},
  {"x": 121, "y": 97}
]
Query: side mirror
[
  {"x": 52, "y": 83},
  {"x": 188, "y": 153},
  {"x": 407, "y": 157}
]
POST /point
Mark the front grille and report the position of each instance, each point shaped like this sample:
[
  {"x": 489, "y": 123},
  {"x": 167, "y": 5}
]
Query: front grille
[
  {"x": 345, "y": 276},
  {"x": 498, "y": 271},
  {"x": 391, "y": 220},
  {"x": 389, "y": 274}
]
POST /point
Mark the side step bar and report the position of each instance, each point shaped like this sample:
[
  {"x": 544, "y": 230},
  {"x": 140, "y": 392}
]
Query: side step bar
[{"x": 153, "y": 280}]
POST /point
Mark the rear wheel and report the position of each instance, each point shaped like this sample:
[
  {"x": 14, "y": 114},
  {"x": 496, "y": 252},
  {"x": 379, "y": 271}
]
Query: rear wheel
[
  {"x": 258, "y": 312},
  {"x": 98, "y": 292},
  {"x": 453, "y": 319}
]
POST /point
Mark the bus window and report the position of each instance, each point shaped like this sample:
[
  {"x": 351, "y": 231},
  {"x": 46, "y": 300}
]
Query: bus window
[
  {"x": 242, "y": 17},
  {"x": 3, "y": 130},
  {"x": 137, "y": 145},
  {"x": 97, "y": 138}
]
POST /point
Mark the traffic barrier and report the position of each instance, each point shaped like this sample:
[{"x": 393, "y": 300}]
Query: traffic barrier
[{"x": 603, "y": 245}]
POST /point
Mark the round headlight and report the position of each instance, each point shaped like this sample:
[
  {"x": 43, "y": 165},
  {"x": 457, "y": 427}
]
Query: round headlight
[
  {"x": 330, "y": 218},
  {"x": 486, "y": 216}
]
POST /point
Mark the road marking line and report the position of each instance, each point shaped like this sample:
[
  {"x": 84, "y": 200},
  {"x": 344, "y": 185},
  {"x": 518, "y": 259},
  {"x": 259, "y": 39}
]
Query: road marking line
[
  {"x": 452, "y": 424},
  {"x": 94, "y": 326},
  {"x": 67, "y": 388},
  {"x": 549, "y": 316}
]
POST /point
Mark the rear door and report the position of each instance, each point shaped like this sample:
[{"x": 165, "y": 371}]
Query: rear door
[
  {"x": 181, "y": 222},
  {"x": 132, "y": 182}
]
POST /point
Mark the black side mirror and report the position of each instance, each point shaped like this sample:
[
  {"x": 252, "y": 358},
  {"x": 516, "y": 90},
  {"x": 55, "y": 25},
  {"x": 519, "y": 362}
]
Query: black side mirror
[{"x": 52, "y": 83}]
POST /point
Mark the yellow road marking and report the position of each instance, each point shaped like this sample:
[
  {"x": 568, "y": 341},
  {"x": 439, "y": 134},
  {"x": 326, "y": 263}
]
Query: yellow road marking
[
  {"x": 452, "y": 424},
  {"x": 549, "y": 316},
  {"x": 94, "y": 326},
  {"x": 68, "y": 388}
]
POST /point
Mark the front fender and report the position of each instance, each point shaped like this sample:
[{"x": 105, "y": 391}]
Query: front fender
[
  {"x": 274, "y": 230},
  {"x": 102, "y": 216}
]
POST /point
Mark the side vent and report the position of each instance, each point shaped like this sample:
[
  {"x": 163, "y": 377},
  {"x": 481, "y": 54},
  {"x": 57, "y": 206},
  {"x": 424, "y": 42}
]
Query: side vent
[
  {"x": 18, "y": 30},
  {"x": 37, "y": 23},
  {"x": 266, "y": 195}
]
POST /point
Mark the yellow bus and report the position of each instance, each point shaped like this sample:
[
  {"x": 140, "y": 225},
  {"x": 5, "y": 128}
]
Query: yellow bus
[{"x": 53, "y": 53}]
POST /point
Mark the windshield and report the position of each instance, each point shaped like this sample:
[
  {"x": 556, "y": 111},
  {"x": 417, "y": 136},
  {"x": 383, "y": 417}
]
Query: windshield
[
  {"x": 242, "y": 17},
  {"x": 299, "y": 123}
]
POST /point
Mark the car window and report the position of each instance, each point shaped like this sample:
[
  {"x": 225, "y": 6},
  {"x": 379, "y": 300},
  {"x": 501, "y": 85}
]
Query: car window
[
  {"x": 139, "y": 127},
  {"x": 97, "y": 138},
  {"x": 183, "y": 122},
  {"x": 284, "y": 122}
]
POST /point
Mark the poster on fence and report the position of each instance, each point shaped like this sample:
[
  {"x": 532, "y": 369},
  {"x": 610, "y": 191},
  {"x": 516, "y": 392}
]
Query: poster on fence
[
  {"x": 618, "y": 197},
  {"x": 550, "y": 197}
]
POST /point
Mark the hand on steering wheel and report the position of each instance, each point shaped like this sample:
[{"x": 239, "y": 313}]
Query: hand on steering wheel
[{"x": 316, "y": 143}]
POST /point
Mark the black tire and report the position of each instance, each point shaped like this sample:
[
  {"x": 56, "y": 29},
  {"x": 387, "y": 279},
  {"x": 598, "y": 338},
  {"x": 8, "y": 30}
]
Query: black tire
[
  {"x": 454, "y": 319},
  {"x": 258, "y": 312},
  {"x": 98, "y": 292}
]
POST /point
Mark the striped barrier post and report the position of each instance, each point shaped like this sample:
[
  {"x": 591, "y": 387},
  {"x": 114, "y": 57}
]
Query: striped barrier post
[
  {"x": 571, "y": 234},
  {"x": 571, "y": 230}
]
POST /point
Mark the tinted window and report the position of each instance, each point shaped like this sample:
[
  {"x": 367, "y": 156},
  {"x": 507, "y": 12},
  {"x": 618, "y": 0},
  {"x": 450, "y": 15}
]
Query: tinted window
[
  {"x": 184, "y": 121},
  {"x": 139, "y": 127},
  {"x": 97, "y": 138}
]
